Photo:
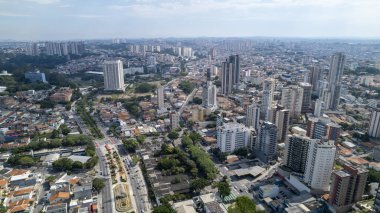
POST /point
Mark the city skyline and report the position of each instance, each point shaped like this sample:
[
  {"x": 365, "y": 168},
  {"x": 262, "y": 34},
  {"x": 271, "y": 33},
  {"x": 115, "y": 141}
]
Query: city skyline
[{"x": 193, "y": 18}]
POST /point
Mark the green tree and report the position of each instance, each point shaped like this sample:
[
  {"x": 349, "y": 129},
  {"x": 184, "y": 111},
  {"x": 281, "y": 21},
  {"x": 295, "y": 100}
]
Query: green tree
[
  {"x": 197, "y": 100},
  {"x": 243, "y": 152},
  {"x": 186, "y": 86},
  {"x": 64, "y": 129},
  {"x": 224, "y": 188},
  {"x": 243, "y": 204},
  {"x": 98, "y": 184},
  {"x": 195, "y": 137},
  {"x": 163, "y": 209},
  {"x": 145, "y": 87},
  {"x": 173, "y": 135},
  {"x": 131, "y": 144},
  {"x": 77, "y": 165},
  {"x": 141, "y": 138},
  {"x": 198, "y": 184},
  {"x": 63, "y": 164}
]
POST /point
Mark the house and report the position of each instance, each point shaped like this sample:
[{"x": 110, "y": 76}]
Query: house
[
  {"x": 49, "y": 159},
  {"x": 24, "y": 180},
  {"x": 22, "y": 194},
  {"x": 82, "y": 190},
  {"x": 59, "y": 197},
  {"x": 57, "y": 208}
]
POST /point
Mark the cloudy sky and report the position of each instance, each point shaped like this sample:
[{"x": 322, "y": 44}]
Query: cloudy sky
[{"x": 87, "y": 19}]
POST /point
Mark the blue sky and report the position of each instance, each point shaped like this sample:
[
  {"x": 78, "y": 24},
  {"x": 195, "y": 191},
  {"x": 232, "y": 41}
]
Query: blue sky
[{"x": 88, "y": 19}]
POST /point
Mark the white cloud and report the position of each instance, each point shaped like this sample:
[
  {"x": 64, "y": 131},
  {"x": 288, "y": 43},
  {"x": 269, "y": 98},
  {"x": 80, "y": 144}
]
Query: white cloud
[
  {"x": 7, "y": 14},
  {"x": 43, "y": 1},
  {"x": 89, "y": 16}
]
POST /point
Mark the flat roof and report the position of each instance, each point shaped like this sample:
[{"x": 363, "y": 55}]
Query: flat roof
[{"x": 254, "y": 171}]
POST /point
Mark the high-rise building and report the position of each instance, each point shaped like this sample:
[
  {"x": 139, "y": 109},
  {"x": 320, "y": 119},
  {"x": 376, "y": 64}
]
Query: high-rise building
[
  {"x": 377, "y": 200},
  {"x": 213, "y": 53},
  {"x": 232, "y": 136},
  {"x": 318, "y": 108},
  {"x": 296, "y": 152},
  {"x": 209, "y": 96},
  {"x": 230, "y": 74},
  {"x": 266, "y": 142},
  {"x": 347, "y": 188},
  {"x": 269, "y": 86},
  {"x": 160, "y": 97},
  {"x": 322, "y": 87},
  {"x": 253, "y": 116},
  {"x": 174, "y": 120},
  {"x": 335, "y": 79},
  {"x": 374, "y": 124},
  {"x": 306, "y": 97},
  {"x": 315, "y": 76},
  {"x": 272, "y": 113},
  {"x": 113, "y": 75},
  {"x": 282, "y": 123},
  {"x": 64, "y": 48},
  {"x": 32, "y": 49},
  {"x": 318, "y": 128},
  {"x": 291, "y": 99},
  {"x": 320, "y": 161}
]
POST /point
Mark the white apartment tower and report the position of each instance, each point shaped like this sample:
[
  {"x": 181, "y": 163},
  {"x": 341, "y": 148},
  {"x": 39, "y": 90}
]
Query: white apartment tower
[
  {"x": 113, "y": 75},
  {"x": 319, "y": 164},
  {"x": 160, "y": 97},
  {"x": 232, "y": 136},
  {"x": 209, "y": 96},
  {"x": 269, "y": 86},
  {"x": 253, "y": 116},
  {"x": 335, "y": 79},
  {"x": 174, "y": 120},
  {"x": 291, "y": 99},
  {"x": 374, "y": 124}
]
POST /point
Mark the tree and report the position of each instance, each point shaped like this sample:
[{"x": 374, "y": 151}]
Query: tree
[
  {"x": 186, "y": 87},
  {"x": 197, "y": 100},
  {"x": 198, "y": 184},
  {"x": 173, "y": 135},
  {"x": 64, "y": 129},
  {"x": 243, "y": 204},
  {"x": 145, "y": 87},
  {"x": 98, "y": 184},
  {"x": 241, "y": 152},
  {"x": 131, "y": 145},
  {"x": 54, "y": 134},
  {"x": 77, "y": 165},
  {"x": 224, "y": 188},
  {"x": 141, "y": 138},
  {"x": 195, "y": 137},
  {"x": 63, "y": 164},
  {"x": 163, "y": 209}
]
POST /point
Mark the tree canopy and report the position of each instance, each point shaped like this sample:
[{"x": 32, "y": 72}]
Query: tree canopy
[{"x": 243, "y": 204}]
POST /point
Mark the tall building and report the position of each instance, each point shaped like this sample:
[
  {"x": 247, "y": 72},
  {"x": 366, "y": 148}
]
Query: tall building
[
  {"x": 291, "y": 99},
  {"x": 296, "y": 152},
  {"x": 318, "y": 108},
  {"x": 347, "y": 188},
  {"x": 335, "y": 79},
  {"x": 374, "y": 124},
  {"x": 319, "y": 164},
  {"x": 230, "y": 74},
  {"x": 306, "y": 97},
  {"x": 32, "y": 49},
  {"x": 315, "y": 76},
  {"x": 209, "y": 96},
  {"x": 322, "y": 87},
  {"x": 269, "y": 86},
  {"x": 377, "y": 200},
  {"x": 35, "y": 76},
  {"x": 160, "y": 97},
  {"x": 266, "y": 142},
  {"x": 272, "y": 113},
  {"x": 113, "y": 75},
  {"x": 282, "y": 123},
  {"x": 232, "y": 136},
  {"x": 253, "y": 116},
  {"x": 318, "y": 128},
  {"x": 174, "y": 120},
  {"x": 64, "y": 48}
]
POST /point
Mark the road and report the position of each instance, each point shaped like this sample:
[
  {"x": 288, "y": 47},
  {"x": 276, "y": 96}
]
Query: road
[
  {"x": 187, "y": 101},
  {"x": 107, "y": 198}
]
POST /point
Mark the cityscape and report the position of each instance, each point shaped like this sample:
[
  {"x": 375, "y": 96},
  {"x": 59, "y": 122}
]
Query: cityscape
[{"x": 188, "y": 124}]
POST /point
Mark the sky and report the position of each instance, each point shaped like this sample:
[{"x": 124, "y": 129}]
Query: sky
[{"x": 97, "y": 19}]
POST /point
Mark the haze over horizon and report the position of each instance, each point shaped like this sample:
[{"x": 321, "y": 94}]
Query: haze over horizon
[{"x": 86, "y": 19}]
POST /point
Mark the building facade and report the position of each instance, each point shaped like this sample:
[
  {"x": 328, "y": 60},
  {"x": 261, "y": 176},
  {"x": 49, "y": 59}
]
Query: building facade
[
  {"x": 232, "y": 136},
  {"x": 113, "y": 75},
  {"x": 266, "y": 142}
]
